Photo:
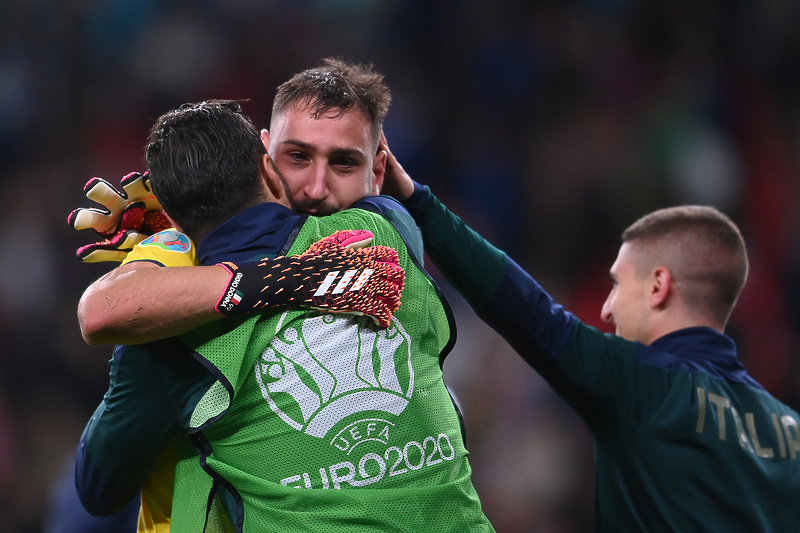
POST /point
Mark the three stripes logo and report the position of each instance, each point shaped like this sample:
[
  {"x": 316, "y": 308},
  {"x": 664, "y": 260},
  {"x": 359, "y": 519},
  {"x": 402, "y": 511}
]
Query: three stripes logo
[{"x": 341, "y": 286}]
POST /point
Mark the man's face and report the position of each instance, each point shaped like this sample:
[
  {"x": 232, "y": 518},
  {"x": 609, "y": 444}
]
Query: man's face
[
  {"x": 627, "y": 304},
  {"x": 328, "y": 163}
]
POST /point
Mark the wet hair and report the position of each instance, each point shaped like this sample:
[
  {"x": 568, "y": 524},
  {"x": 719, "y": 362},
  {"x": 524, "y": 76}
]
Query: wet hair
[
  {"x": 702, "y": 248},
  {"x": 204, "y": 162},
  {"x": 337, "y": 86}
]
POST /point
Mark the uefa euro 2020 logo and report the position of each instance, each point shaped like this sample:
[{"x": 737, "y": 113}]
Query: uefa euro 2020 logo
[
  {"x": 332, "y": 367},
  {"x": 170, "y": 240}
]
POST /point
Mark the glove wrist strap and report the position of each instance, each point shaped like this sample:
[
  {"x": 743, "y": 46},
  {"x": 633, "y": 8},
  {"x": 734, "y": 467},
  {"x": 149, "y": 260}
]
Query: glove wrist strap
[{"x": 258, "y": 284}]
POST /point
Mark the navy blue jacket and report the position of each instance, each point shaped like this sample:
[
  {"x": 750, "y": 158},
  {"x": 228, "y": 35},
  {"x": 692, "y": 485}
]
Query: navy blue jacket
[{"x": 685, "y": 439}]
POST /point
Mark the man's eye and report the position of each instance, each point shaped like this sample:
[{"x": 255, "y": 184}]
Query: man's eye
[
  {"x": 343, "y": 163},
  {"x": 297, "y": 156}
]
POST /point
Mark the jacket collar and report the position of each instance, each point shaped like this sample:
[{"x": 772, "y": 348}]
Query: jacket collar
[
  {"x": 257, "y": 232},
  {"x": 699, "y": 349}
]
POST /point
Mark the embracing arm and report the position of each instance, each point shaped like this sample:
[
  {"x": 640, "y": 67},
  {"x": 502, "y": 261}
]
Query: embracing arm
[
  {"x": 502, "y": 294},
  {"x": 152, "y": 393},
  {"x": 596, "y": 373},
  {"x": 467, "y": 260},
  {"x": 141, "y": 301},
  {"x": 152, "y": 388}
]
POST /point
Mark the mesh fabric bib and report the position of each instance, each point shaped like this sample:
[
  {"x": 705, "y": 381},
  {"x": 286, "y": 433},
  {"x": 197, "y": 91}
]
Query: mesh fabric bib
[{"x": 324, "y": 422}]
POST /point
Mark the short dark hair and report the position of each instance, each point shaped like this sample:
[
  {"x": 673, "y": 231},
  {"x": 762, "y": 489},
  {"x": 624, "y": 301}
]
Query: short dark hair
[
  {"x": 204, "y": 164},
  {"x": 703, "y": 249},
  {"x": 337, "y": 85}
]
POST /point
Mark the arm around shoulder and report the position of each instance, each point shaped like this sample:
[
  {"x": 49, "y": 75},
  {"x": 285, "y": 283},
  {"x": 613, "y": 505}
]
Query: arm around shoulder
[
  {"x": 473, "y": 265},
  {"x": 142, "y": 301}
]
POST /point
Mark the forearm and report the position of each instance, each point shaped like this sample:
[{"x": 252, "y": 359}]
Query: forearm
[
  {"x": 142, "y": 302},
  {"x": 505, "y": 296},
  {"x": 102, "y": 493},
  {"x": 501, "y": 293},
  {"x": 152, "y": 392},
  {"x": 467, "y": 260}
]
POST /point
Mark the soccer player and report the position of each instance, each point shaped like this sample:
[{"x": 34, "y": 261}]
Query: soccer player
[
  {"x": 685, "y": 439},
  {"x": 288, "y": 400}
]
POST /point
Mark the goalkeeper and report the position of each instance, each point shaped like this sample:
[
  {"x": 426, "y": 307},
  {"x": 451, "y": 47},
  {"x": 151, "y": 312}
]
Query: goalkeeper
[{"x": 322, "y": 386}]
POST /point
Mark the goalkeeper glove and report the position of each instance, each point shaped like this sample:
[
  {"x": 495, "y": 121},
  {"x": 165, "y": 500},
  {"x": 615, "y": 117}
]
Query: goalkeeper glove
[
  {"x": 126, "y": 218},
  {"x": 336, "y": 274}
]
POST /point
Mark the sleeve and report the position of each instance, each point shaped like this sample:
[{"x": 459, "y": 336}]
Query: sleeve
[
  {"x": 165, "y": 248},
  {"x": 599, "y": 376},
  {"x": 584, "y": 366},
  {"x": 144, "y": 409},
  {"x": 472, "y": 265},
  {"x": 400, "y": 218}
]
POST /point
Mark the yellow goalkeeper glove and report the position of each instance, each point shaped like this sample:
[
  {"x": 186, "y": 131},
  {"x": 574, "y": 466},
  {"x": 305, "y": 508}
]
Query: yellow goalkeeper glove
[{"x": 127, "y": 217}]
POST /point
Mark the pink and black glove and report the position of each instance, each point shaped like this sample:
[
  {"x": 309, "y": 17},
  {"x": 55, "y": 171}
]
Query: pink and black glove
[
  {"x": 127, "y": 217},
  {"x": 336, "y": 274}
]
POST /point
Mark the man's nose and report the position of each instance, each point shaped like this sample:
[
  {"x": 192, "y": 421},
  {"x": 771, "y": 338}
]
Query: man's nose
[{"x": 317, "y": 184}]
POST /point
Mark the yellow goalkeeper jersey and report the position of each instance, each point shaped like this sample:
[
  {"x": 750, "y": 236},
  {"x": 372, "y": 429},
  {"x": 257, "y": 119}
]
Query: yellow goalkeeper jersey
[{"x": 168, "y": 248}]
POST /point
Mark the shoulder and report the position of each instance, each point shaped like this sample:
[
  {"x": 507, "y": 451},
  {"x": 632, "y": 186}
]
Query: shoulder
[
  {"x": 399, "y": 217},
  {"x": 350, "y": 218},
  {"x": 166, "y": 248},
  {"x": 379, "y": 204}
]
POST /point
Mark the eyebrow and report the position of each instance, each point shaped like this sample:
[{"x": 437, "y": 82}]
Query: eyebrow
[{"x": 336, "y": 151}]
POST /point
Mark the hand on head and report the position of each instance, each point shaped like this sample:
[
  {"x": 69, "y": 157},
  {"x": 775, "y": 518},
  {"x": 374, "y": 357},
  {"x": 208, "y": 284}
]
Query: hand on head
[{"x": 396, "y": 181}]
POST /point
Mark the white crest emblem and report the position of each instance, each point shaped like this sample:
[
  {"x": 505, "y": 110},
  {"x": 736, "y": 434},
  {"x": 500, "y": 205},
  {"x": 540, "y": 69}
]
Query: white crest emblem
[{"x": 333, "y": 367}]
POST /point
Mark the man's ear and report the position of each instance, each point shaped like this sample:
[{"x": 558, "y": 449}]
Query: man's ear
[
  {"x": 378, "y": 172},
  {"x": 265, "y": 139},
  {"x": 661, "y": 288},
  {"x": 271, "y": 177}
]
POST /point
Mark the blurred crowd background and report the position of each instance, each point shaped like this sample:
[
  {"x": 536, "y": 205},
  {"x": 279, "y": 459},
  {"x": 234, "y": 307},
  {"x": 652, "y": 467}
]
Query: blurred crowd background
[{"x": 547, "y": 125}]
